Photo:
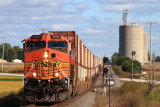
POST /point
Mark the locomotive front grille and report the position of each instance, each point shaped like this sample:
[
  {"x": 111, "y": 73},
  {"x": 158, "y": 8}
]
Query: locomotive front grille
[{"x": 45, "y": 68}]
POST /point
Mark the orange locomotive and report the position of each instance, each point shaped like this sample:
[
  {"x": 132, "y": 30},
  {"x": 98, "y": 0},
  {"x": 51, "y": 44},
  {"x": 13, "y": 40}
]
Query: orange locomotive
[{"x": 57, "y": 65}]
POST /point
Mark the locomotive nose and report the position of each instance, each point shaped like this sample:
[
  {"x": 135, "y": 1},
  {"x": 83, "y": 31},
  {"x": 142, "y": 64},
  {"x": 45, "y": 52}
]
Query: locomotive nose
[
  {"x": 46, "y": 55},
  {"x": 53, "y": 55}
]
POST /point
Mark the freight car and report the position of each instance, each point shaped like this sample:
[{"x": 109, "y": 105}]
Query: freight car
[{"x": 57, "y": 65}]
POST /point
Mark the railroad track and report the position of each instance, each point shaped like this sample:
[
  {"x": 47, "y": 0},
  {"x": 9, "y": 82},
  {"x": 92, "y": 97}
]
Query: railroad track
[{"x": 60, "y": 104}]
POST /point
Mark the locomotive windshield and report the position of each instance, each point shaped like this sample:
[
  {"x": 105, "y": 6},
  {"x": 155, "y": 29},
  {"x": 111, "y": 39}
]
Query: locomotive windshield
[
  {"x": 34, "y": 45},
  {"x": 58, "y": 45}
]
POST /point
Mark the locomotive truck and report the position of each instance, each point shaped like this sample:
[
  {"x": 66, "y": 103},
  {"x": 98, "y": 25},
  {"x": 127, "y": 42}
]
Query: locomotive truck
[{"x": 57, "y": 65}]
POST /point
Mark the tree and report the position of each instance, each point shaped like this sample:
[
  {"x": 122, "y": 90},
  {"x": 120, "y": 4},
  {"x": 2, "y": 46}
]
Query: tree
[
  {"x": 11, "y": 53},
  {"x": 19, "y": 52},
  {"x": 7, "y": 51},
  {"x": 157, "y": 59},
  {"x": 120, "y": 60},
  {"x": 127, "y": 66},
  {"x": 114, "y": 57},
  {"x": 105, "y": 60},
  {"x": 137, "y": 66}
]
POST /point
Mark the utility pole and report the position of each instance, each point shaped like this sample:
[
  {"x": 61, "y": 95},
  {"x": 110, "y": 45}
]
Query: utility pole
[
  {"x": 154, "y": 66},
  {"x": 2, "y": 54},
  {"x": 133, "y": 53},
  {"x": 151, "y": 73},
  {"x": 109, "y": 95}
]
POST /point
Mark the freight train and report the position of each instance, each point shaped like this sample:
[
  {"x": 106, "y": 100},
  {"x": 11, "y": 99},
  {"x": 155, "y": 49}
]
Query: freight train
[{"x": 57, "y": 65}]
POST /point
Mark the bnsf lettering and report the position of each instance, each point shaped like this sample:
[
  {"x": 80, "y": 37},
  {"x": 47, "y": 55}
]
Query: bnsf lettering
[{"x": 46, "y": 64}]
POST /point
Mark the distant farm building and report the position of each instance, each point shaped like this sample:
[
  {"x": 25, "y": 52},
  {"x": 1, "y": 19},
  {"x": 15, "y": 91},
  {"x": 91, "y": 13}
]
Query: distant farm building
[
  {"x": 155, "y": 66},
  {"x": 17, "y": 61},
  {"x": 3, "y": 61}
]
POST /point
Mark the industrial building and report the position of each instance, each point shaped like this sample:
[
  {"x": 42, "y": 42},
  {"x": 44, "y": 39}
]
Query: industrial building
[{"x": 133, "y": 38}]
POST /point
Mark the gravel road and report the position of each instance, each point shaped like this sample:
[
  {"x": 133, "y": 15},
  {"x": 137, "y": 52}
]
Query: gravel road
[
  {"x": 85, "y": 101},
  {"x": 88, "y": 99}
]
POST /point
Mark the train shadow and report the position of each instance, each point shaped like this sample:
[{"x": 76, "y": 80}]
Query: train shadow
[
  {"x": 45, "y": 103},
  {"x": 13, "y": 100}
]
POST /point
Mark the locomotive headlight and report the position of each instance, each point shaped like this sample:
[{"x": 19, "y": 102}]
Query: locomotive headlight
[
  {"x": 56, "y": 74},
  {"x": 66, "y": 81},
  {"x": 34, "y": 74},
  {"x": 45, "y": 54}
]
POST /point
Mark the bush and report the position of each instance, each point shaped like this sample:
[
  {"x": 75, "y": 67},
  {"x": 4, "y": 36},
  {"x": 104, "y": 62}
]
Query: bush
[
  {"x": 154, "y": 95},
  {"x": 136, "y": 87},
  {"x": 114, "y": 58},
  {"x": 131, "y": 94},
  {"x": 157, "y": 77},
  {"x": 120, "y": 60},
  {"x": 118, "y": 70},
  {"x": 127, "y": 66},
  {"x": 157, "y": 59},
  {"x": 132, "y": 99}
]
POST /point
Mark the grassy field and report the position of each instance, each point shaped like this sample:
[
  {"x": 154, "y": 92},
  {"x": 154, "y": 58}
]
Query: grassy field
[
  {"x": 10, "y": 84},
  {"x": 131, "y": 94},
  {"x": 11, "y": 67},
  {"x": 11, "y": 93}
]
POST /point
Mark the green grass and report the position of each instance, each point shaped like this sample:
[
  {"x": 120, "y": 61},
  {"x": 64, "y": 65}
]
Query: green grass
[
  {"x": 10, "y": 84},
  {"x": 11, "y": 79},
  {"x": 11, "y": 91}
]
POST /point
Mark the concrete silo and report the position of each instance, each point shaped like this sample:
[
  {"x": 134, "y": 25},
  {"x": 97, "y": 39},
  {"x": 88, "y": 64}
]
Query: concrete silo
[
  {"x": 132, "y": 39},
  {"x": 145, "y": 48}
]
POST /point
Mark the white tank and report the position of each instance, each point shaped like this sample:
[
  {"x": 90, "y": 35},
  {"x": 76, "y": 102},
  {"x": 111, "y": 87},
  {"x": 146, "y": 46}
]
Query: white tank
[{"x": 132, "y": 39}]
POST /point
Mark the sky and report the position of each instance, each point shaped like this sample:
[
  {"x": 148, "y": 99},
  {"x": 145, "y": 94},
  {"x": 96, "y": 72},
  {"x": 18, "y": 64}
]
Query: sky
[{"x": 95, "y": 21}]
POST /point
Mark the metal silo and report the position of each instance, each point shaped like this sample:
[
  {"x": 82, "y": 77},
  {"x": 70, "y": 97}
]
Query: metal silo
[{"x": 132, "y": 39}]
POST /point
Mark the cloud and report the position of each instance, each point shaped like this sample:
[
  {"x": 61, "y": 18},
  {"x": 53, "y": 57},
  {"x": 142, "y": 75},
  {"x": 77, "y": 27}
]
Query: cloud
[
  {"x": 5, "y": 2},
  {"x": 82, "y": 6},
  {"x": 12, "y": 33},
  {"x": 49, "y": 17},
  {"x": 88, "y": 30},
  {"x": 156, "y": 37},
  {"x": 117, "y": 8},
  {"x": 62, "y": 27},
  {"x": 126, "y": 1},
  {"x": 102, "y": 45},
  {"x": 43, "y": 2},
  {"x": 137, "y": 10}
]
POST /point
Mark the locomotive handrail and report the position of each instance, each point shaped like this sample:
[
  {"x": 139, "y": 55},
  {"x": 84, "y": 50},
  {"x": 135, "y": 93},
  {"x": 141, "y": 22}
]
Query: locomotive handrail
[
  {"x": 63, "y": 75},
  {"x": 27, "y": 75}
]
